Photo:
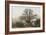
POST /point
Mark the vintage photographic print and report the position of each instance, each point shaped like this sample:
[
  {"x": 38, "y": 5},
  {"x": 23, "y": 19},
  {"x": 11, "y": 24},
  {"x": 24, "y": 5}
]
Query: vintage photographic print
[{"x": 24, "y": 17}]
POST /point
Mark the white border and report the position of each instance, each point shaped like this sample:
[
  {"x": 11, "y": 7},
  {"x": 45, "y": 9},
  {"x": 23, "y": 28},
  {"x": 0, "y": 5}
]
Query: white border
[{"x": 24, "y": 29}]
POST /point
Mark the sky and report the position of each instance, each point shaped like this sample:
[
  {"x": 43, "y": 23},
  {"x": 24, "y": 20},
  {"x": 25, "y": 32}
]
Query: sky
[{"x": 18, "y": 10}]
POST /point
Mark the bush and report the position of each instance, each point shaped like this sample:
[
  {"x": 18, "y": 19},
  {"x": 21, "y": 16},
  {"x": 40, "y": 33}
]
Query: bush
[
  {"x": 37, "y": 23},
  {"x": 19, "y": 24}
]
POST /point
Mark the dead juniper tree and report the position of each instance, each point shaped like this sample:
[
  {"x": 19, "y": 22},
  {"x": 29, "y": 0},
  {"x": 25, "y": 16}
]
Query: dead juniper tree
[{"x": 27, "y": 17}]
